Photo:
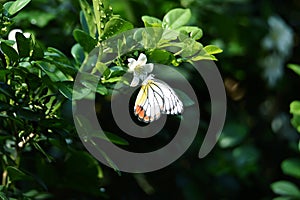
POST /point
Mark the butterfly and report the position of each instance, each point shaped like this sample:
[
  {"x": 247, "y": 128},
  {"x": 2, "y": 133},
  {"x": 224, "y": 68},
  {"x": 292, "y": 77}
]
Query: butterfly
[{"x": 155, "y": 98}]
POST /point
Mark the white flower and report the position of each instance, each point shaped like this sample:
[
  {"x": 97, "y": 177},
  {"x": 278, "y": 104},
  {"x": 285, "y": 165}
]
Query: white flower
[
  {"x": 280, "y": 36},
  {"x": 12, "y": 36},
  {"x": 279, "y": 43},
  {"x": 273, "y": 71},
  {"x": 139, "y": 68}
]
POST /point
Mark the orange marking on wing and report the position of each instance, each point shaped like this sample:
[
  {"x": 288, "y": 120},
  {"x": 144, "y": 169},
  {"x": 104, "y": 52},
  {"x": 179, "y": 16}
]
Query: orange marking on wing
[
  {"x": 137, "y": 110},
  {"x": 141, "y": 114}
]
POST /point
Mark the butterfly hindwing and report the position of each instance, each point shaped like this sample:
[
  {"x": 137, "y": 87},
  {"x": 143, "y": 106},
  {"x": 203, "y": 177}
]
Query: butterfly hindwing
[{"x": 155, "y": 98}]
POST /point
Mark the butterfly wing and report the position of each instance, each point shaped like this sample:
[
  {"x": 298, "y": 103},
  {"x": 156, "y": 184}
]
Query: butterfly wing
[
  {"x": 172, "y": 104},
  {"x": 154, "y": 98},
  {"x": 149, "y": 103}
]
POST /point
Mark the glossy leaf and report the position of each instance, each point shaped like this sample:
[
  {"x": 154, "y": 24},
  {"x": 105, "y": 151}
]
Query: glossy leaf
[
  {"x": 114, "y": 26},
  {"x": 176, "y": 18},
  {"x": 78, "y": 53},
  {"x": 192, "y": 31},
  {"x": 85, "y": 40},
  {"x": 151, "y": 21},
  {"x": 161, "y": 56},
  {"x": 212, "y": 49},
  {"x": 66, "y": 88},
  {"x": 87, "y": 18},
  {"x": 17, "y": 6}
]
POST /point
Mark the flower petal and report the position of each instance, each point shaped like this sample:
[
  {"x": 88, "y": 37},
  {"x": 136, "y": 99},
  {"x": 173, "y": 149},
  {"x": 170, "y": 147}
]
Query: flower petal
[
  {"x": 135, "y": 81},
  {"x": 132, "y": 63},
  {"x": 142, "y": 60},
  {"x": 148, "y": 67}
]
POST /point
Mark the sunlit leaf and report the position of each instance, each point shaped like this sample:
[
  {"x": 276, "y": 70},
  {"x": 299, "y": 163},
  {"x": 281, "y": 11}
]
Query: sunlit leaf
[
  {"x": 295, "y": 107},
  {"x": 193, "y": 31},
  {"x": 17, "y": 6},
  {"x": 295, "y": 68},
  {"x": 212, "y": 49},
  {"x": 176, "y": 18},
  {"x": 114, "y": 26},
  {"x": 151, "y": 21}
]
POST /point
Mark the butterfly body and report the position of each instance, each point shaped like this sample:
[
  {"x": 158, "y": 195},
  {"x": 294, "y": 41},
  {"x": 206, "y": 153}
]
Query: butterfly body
[{"x": 155, "y": 98}]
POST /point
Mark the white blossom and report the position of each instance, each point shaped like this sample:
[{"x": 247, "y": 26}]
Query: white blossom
[
  {"x": 139, "y": 68},
  {"x": 278, "y": 42}
]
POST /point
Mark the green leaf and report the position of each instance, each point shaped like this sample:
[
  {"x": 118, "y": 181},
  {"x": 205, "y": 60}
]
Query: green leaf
[
  {"x": 285, "y": 188},
  {"x": 78, "y": 53},
  {"x": 37, "y": 53},
  {"x": 190, "y": 47},
  {"x": 113, "y": 80},
  {"x": 16, "y": 174},
  {"x": 17, "y": 6},
  {"x": 295, "y": 68},
  {"x": 192, "y": 31},
  {"x": 232, "y": 134},
  {"x": 66, "y": 88},
  {"x": 89, "y": 17},
  {"x": 113, "y": 138},
  {"x": 161, "y": 56},
  {"x": 295, "y": 107},
  {"x": 291, "y": 167},
  {"x": 176, "y": 18},
  {"x": 85, "y": 40},
  {"x": 101, "y": 89},
  {"x": 212, "y": 49},
  {"x": 10, "y": 52},
  {"x": 37, "y": 195},
  {"x": 151, "y": 21},
  {"x": 3, "y": 196},
  {"x": 23, "y": 45},
  {"x": 114, "y": 26},
  {"x": 51, "y": 70}
]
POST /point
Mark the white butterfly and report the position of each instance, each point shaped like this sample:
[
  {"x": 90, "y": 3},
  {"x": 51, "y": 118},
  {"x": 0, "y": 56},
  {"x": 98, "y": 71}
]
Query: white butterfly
[{"x": 155, "y": 98}]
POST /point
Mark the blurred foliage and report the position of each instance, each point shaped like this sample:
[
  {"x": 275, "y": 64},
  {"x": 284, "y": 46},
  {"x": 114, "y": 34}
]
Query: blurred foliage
[{"x": 257, "y": 156}]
